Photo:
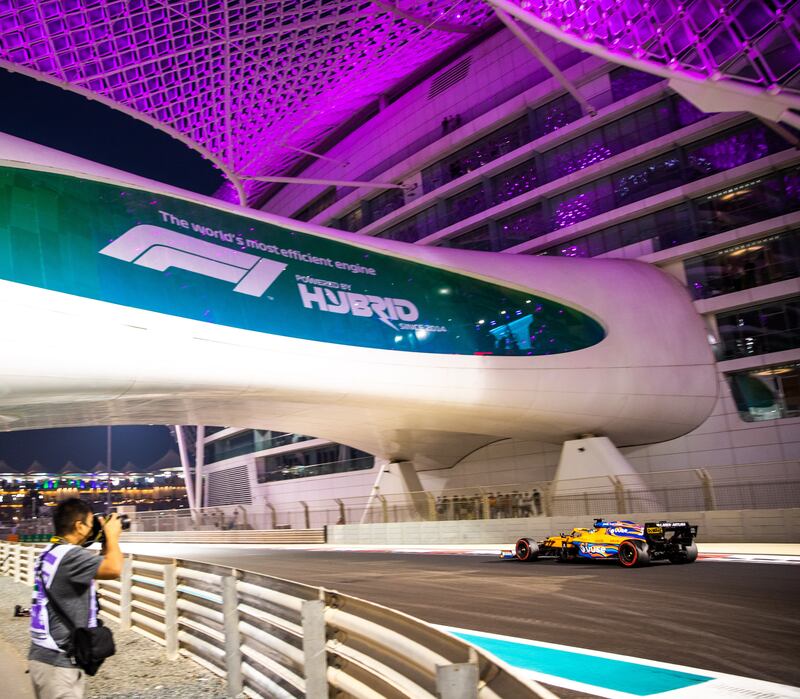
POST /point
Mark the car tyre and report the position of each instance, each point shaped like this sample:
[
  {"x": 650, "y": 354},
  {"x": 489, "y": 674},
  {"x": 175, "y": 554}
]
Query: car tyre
[
  {"x": 632, "y": 554},
  {"x": 688, "y": 554},
  {"x": 526, "y": 550}
]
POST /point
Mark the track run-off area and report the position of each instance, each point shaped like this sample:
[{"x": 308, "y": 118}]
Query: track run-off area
[{"x": 726, "y": 626}]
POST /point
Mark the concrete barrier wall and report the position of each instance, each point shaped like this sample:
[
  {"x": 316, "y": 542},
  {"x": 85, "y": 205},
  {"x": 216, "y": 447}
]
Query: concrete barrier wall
[
  {"x": 725, "y": 526},
  {"x": 246, "y": 536}
]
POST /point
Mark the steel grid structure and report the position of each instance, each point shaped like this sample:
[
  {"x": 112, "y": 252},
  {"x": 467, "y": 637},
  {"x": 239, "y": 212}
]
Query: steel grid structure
[{"x": 255, "y": 86}]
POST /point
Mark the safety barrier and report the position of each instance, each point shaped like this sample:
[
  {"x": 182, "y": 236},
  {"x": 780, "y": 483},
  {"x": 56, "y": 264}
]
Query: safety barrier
[
  {"x": 758, "y": 486},
  {"x": 200, "y": 536},
  {"x": 272, "y": 637}
]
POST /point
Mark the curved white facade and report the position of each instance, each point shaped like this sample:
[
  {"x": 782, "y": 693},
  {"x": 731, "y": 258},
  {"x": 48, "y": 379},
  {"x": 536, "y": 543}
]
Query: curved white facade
[{"x": 73, "y": 360}]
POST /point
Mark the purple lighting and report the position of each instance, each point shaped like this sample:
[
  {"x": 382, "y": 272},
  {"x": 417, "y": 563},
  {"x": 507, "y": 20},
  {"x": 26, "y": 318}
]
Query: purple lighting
[
  {"x": 248, "y": 81},
  {"x": 253, "y": 84},
  {"x": 746, "y": 41},
  {"x": 571, "y": 211}
]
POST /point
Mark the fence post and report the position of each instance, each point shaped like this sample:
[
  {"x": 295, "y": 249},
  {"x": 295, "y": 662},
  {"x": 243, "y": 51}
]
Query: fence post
[
  {"x": 432, "y": 515},
  {"x": 546, "y": 500},
  {"x": 307, "y": 515},
  {"x": 457, "y": 681},
  {"x": 18, "y": 563},
  {"x": 314, "y": 653},
  {"x": 708, "y": 489},
  {"x": 233, "y": 642},
  {"x": 171, "y": 610},
  {"x": 619, "y": 493},
  {"x": 125, "y": 583},
  {"x": 384, "y": 508},
  {"x": 486, "y": 511},
  {"x": 31, "y": 565}
]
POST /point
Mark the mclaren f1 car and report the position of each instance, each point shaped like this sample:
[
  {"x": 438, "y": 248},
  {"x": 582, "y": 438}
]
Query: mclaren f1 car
[{"x": 629, "y": 543}]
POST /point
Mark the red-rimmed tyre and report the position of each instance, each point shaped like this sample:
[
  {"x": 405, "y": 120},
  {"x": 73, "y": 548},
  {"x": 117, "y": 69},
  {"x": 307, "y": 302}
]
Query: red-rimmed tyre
[
  {"x": 526, "y": 550},
  {"x": 632, "y": 554}
]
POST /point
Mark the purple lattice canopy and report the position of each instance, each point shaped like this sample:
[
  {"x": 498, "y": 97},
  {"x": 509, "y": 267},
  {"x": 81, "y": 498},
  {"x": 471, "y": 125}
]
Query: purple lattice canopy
[
  {"x": 248, "y": 81},
  {"x": 253, "y": 83},
  {"x": 752, "y": 41}
]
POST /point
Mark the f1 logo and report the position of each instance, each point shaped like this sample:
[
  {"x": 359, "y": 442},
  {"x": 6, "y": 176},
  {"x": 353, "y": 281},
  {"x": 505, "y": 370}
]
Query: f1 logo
[{"x": 159, "y": 248}]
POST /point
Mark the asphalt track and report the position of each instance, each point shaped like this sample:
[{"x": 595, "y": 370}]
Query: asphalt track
[{"x": 733, "y": 617}]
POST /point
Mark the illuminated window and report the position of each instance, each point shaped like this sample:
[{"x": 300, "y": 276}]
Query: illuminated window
[
  {"x": 767, "y": 393},
  {"x": 744, "y": 266}
]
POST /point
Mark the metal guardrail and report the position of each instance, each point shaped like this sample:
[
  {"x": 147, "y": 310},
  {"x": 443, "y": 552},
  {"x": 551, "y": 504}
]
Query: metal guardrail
[{"x": 269, "y": 637}]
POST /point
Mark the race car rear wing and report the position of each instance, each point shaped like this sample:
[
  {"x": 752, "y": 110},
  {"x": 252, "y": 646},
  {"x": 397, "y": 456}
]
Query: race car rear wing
[{"x": 682, "y": 532}]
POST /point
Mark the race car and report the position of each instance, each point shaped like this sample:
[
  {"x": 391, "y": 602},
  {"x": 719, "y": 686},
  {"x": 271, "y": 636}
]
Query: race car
[{"x": 630, "y": 543}]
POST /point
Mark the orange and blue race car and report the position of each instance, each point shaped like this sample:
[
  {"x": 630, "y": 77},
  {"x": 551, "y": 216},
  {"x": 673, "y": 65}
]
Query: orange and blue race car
[{"x": 629, "y": 543}]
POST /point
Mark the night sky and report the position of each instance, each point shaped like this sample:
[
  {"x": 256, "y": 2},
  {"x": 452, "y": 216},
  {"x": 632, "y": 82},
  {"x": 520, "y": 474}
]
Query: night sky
[{"x": 50, "y": 116}]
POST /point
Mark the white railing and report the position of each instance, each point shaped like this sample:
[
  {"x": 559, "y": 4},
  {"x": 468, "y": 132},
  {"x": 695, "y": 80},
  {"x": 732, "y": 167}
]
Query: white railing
[{"x": 269, "y": 637}]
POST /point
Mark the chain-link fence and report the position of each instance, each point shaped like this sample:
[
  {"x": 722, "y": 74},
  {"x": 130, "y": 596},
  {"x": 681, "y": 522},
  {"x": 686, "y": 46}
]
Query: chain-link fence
[{"x": 770, "y": 485}]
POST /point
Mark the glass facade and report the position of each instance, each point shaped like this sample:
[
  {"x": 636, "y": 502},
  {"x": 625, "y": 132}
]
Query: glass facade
[
  {"x": 625, "y": 81},
  {"x": 412, "y": 229},
  {"x": 766, "y": 393},
  {"x": 478, "y": 239},
  {"x": 744, "y": 266},
  {"x": 676, "y": 167},
  {"x": 318, "y": 461},
  {"x": 382, "y": 205},
  {"x": 769, "y": 327},
  {"x": 634, "y": 129},
  {"x": 513, "y": 182},
  {"x": 247, "y": 442},
  {"x": 522, "y": 226},
  {"x": 477, "y": 154},
  {"x": 317, "y": 206},
  {"x": 466, "y": 204},
  {"x": 733, "y": 207}
]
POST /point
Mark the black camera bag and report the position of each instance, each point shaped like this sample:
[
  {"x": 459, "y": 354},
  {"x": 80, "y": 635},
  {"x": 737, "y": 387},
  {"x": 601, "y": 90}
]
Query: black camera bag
[{"x": 88, "y": 646}]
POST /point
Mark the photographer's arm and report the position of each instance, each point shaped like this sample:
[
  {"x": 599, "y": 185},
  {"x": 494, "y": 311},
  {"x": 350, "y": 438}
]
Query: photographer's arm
[{"x": 111, "y": 566}]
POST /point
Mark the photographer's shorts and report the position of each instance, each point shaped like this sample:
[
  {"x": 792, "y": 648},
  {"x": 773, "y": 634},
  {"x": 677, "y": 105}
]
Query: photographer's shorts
[{"x": 51, "y": 682}]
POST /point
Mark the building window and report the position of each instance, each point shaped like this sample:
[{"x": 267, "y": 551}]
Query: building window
[
  {"x": 319, "y": 461},
  {"x": 248, "y": 442},
  {"x": 767, "y": 393},
  {"x": 513, "y": 182},
  {"x": 646, "y": 179},
  {"x": 478, "y": 239},
  {"x": 731, "y": 149},
  {"x": 733, "y": 207},
  {"x": 744, "y": 266},
  {"x": 556, "y": 114},
  {"x": 626, "y": 81},
  {"x": 581, "y": 203},
  {"x": 386, "y": 202},
  {"x": 414, "y": 228},
  {"x": 317, "y": 206},
  {"x": 772, "y": 327},
  {"x": 466, "y": 204},
  {"x": 521, "y": 226},
  {"x": 748, "y": 202},
  {"x": 353, "y": 221},
  {"x": 477, "y": 154}
]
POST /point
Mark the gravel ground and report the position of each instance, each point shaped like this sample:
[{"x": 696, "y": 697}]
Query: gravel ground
[{"x": 139, "y": 670}]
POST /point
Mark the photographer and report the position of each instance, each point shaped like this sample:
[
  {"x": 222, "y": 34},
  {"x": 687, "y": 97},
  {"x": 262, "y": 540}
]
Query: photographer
[{"x": 68, "y": 571}]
